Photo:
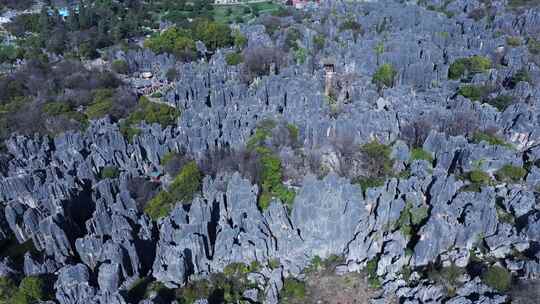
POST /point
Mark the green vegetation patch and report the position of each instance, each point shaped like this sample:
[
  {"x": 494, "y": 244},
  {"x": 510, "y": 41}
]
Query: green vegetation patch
[
  {"x": 234, "y": 58},
  {"x": 491, "y": 139},
  {"x": 521, "y": 75},
  {"x": 501, "y": 102},
  {"x": 151, "y": 113},
  {"x": 292, "y": 291},
  {"x": 478, "y": 179},
  {"x": 371, "y": 271},
  {"x": 410, "y": 218},
  {"x": 182, "y": 189},
  {"x": 498, "y": 278},
  {"x": 509, "y": 173},
  {"x": 534, "y": 46},
  {"x": 468, "y": 66},
  {"x": 421, "y": 154},
  {"x": 448, "y": 277},
  {"x": 31, "y": 290},
  {"x": 474, "y": 92},
  {"x": 109, "y": 172},
  {"x": 513, "y": 41},
  {"x": 385, "y": 76}
]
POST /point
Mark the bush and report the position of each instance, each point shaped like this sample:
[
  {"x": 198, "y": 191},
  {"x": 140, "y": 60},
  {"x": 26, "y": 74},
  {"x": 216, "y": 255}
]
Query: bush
[
  {"x": 479, "y": 177},
  {"x": 160, "y": 205},
  {"x": 233, "y": 58},
  {"x": 7, "y": 290},
  {"x": 421, "y": 154},
  {"x": 498, "y": 278},
  {"x": 473, "y": 92},
  {"x": 271, "y": 176},
  {"x": 371, "y": 270},
  {"x": 491, "y": 139},
  {"x": 101, "y": 105},
  {"x": 174, "y": 41},
  {"x": 385, "y": 76},
  {"x": 240, "y": 41},
  {"x": 534, "y": 46},
  {"x": 377, "y": 159},
  {"x": 151, "y": 113},
  {"x": 56, "y": 108},
  {"x": 513, "y": 41},
  {"x": 472, "y": 65},
  {"x": 31, "y": 289},
  {"x": 293, "y": 290},
  {"x": 509, "y": 173},
  {"x": 186, "y": 183},
  {"x": 501, "y": 102},
  {"x": 318, "y": 42},
  {"x": 448, "y": 277},
  {"x": 120, "y": 66},
  {"x": 521, "y": 75},
  {"x": 109, "y": 172}
]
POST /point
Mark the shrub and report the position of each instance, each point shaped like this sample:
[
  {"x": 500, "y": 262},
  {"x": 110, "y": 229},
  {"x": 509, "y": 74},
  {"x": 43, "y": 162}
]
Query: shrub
[
  {"x": 318, "y": 42},
  {"x": 448, "y": 277},
  {"x": 385, "y": 76},
  {"x": 421, "y": 154},
  {"x": 271, "y": 176},
  {"x": 474, "y": 92},
  {"x": 369, "y": 182},
  {"x": 521, "y": 75},
  {"x": 240, "y": 41},
  {"x": 513, "y": 41},
  {"x": 109, "y": 172},
  {"x": 151, "y": 113},
  {"x": 293, "y": 290},
  {"x": 31, "y": 289},
  {"x": 172, "y": 163},
  {"x": 56, "y": 108},
  {"x": 377, "y": 158},
  {"x": 120, "y": 66},
  {"x": 457, "y": 69},
  {"x": 509, "y": 173},
  {"x": 233, "y": 58},
  {"x": 498, "y": 278},
  {"x": 371, "y": 270},
  {"x": 491, "y": 139},
  {"x": 534, "y": 46},
  {"x": 479, "y": 177},
  {"x": 173, "y": 40},
  {"x": 293, "y": 133},
  {"x": 501, "y": 102},
  {"x": 292, "y": 37},
  {"x": 472, "y": 65},
  {"x": 160, "y": 205},
  {"x": 194, "y": 291},
  {"x": 101, "y": 104},
  {"x": 186, "y": 183},
  {"x": 7, "y": 290}
]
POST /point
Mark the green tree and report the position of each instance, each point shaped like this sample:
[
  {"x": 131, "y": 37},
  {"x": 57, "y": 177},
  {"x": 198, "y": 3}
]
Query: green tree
[
  {"x": 7, "y": 290},
  {"x": 213, "y": 34},
  {"x": 31, "y": 289},
  {"x": 173, "y": 40},
  {"x": 385, "y": 76}
]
